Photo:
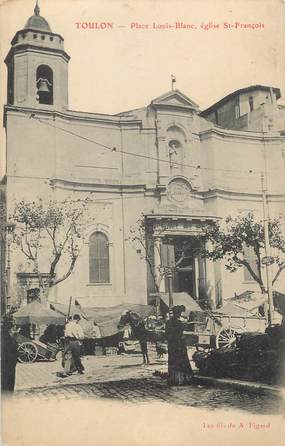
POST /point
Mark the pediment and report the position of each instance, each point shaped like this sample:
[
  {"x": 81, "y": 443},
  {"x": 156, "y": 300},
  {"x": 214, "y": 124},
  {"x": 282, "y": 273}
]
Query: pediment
[{"x": 175, "y": 99}]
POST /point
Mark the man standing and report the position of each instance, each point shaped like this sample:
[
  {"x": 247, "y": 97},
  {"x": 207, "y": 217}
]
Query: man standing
[
  {"x": 73, "y": 335},
  {"x": 9, "y": 355}
]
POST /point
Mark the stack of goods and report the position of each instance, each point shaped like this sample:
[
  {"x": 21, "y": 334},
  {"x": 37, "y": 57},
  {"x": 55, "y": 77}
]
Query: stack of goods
[
  {"x": 257, "y": 357},
  {"x": 98, "y": 350},
  {"x": 220, "y": 363},
  {"x": 197, "y": 321},
  {"x": 277, "y": 334},
  {"x": 111, "y": 351}
]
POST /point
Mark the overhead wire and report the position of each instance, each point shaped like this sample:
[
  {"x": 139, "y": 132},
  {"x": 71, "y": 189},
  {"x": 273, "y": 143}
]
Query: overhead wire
[
  {"x": 114, "y": 150},
  {"x": 139, "y": 155}
]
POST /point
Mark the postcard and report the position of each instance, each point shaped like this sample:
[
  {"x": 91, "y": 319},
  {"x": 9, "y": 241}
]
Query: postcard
[{"x": 142, "y": 217}]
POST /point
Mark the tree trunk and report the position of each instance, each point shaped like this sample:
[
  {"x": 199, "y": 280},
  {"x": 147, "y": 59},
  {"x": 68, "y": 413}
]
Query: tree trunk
[
  {"x": 44, "y": 293},
  {"x": 157, "y": 300},
  {"x": 266, "y": 304}
]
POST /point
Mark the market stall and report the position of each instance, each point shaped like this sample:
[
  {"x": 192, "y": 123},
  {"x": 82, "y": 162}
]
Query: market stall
[{"x": 36, "y": 314}]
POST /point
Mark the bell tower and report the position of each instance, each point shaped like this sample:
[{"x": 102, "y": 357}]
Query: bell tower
[{"x": 37, "y": 67}]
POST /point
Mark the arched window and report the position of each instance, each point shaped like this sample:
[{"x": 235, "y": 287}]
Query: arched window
[
  {"x": 99, "y": 269},
  {"x": 45, "y": 85}
]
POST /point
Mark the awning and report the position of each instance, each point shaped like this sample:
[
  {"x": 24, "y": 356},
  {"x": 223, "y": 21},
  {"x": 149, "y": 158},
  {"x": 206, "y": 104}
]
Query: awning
[
  {"x": 38, "y": 313},
  {"x": 231, "y": 309},
  {"x": 279, "y": 302},
  {"x": 252, "y": 300},
  {"x": 107, "y": 318},
  {"x": 181, "y": 299}
]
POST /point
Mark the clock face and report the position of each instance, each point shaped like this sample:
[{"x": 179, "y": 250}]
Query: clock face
[{"x": 179, "y": 190}]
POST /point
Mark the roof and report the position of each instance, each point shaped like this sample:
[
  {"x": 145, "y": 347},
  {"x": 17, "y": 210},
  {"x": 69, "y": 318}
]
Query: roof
[
  {"x": 181, "y": 299},
  {"x": 239, "y": 92},
  {"x": 175, "y": 98},
  {"x": 37, "y": 22}
]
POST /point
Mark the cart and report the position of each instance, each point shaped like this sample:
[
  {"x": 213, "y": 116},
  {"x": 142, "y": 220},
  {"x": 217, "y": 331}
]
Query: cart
[
  {"x": 217, "y": 330},
  {"x": 221, "y": 330},
  {"x": 29, "y": 350}
]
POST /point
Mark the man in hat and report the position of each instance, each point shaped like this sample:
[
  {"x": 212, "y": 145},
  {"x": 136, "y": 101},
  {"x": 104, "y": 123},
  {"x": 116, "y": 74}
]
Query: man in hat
[
  {"x": 9, "y": 355},
  {"x": 73, "y": 335}
]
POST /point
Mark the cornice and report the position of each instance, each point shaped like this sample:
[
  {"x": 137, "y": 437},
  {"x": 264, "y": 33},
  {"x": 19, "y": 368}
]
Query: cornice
[
  {"x": 27, "y": 47},
  {"x": 39, "y": 31},
  {"x": 70, "y": 115},
  {"x": 174, "y": 216},
  {"x": 103, "y": 186},
  {"x": 253, "y": 136},
  {"x": 116, "y": 186},
  {"x": 234, "y": 194},
  {"x": 174, "y": 107}
]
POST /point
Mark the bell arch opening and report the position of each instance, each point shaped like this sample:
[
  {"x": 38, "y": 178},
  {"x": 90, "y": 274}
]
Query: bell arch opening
[{"x": 44, "y": 84}]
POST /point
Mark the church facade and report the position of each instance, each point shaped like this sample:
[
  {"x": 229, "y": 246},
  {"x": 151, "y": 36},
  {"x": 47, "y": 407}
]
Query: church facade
[{"x": 169, "y": 162}]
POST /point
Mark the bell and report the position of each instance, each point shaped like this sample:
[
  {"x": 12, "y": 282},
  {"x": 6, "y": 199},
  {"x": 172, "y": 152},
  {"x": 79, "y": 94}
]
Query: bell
[{"x": 43, "y": 86}]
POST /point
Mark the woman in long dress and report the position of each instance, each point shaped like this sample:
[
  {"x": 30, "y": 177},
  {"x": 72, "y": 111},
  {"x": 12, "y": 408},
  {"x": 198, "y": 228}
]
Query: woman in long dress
[{"x": 179, "y": 368}]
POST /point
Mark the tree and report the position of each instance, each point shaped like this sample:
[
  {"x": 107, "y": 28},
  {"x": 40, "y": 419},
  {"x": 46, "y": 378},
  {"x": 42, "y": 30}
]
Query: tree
[
  {"x": 50, "y": 235},
  {"x": 141, "y": 238},
  {"x": 230, "y": 238}
]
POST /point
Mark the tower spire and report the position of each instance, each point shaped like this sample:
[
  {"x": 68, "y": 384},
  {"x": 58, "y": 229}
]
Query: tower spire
[{"x": 37, "y": 9}]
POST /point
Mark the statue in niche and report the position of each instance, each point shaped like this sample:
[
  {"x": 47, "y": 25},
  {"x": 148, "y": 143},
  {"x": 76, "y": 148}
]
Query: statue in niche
[{"x": 174, "y": 151}]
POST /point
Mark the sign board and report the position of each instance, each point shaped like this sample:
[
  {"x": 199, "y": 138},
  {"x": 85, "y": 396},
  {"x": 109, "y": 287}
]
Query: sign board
[
  {"x": 269, "y": 260},
  {"x": 204, "y": 339}
]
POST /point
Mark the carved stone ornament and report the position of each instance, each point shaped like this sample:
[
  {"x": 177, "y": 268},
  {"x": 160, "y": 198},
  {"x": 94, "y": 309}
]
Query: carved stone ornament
[{"x": 178, "y": 190}]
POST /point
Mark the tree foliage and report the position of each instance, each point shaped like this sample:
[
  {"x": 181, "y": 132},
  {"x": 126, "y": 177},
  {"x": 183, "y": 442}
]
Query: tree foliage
[
  {"x": 50, "y": 233},
  {"x": 141, "y": 238},
  {"x": 230, "y": 238}
]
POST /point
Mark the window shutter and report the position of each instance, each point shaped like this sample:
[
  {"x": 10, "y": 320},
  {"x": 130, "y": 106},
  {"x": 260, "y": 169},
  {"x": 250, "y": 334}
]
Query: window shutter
[
  {"x": 167, "y": 254},
  {"x": 99, "y": 269}
]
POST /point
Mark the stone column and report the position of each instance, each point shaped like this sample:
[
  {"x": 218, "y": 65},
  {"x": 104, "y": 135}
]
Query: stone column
[
  {"x": 210, "y": 280},
  {"x": 157, "y": 263},
  {"x": 201, "y": 279},
  {"x": 197, "y": 276}
]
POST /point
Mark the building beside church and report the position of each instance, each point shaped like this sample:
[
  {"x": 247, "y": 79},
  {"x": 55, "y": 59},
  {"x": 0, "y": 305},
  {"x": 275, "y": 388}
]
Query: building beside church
[{"x": 178, "y": 166}]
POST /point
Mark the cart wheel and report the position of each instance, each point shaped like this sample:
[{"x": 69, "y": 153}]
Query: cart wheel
[
  {"x": 27, "y": 352},
  {"x": 226, "y": 337}
]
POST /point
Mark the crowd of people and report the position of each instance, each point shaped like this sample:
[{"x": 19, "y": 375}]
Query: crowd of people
[{"x": 179, "y": 368}]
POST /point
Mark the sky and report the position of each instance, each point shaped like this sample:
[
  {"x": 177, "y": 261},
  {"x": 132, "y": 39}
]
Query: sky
[{"x": 125, "y": 67}]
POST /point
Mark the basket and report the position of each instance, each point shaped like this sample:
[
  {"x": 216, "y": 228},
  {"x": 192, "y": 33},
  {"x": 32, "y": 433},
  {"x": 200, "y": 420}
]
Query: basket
[
  {"x": 98, "y": 350},
  {"x": 111, "y": 351}
]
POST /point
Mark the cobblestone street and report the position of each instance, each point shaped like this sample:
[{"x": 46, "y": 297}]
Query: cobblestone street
[
  {"x": 119, "y": 402},
  {"x": 124, "y": 378},
  {"x": 97, "y": 369}
]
